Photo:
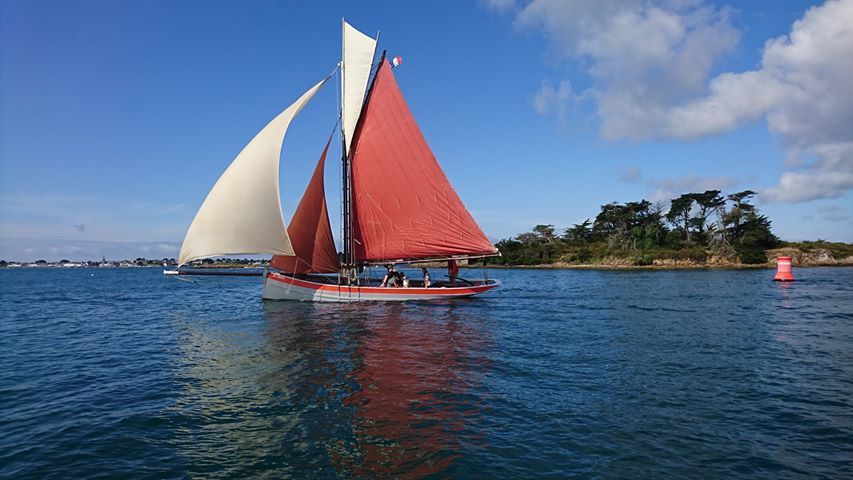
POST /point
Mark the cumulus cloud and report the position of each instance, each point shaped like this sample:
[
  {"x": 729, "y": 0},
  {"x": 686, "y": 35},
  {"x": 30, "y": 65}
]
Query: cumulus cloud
[
  {"x": 803, "y": 90},
  {"x": 667, "y": 189},
  {"x": 649, "y": 63},
  {"x": 555, "y": 99},
  {"x": 820, "y": 182},
  {"x": 641, "y": 56}
]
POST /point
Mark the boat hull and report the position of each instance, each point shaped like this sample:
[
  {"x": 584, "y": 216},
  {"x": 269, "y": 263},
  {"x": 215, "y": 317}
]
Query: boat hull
[{"x": 285, "y": 287}]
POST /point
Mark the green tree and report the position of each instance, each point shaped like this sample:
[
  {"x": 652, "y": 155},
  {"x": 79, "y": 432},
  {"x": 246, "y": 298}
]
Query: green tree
[
  {"x": 579, "y": 233},
  {"x": 707, "y": 203},
  {"x": 546, "y": 232},
  {"x": 646, "y": 224},
  {"x": 679, "y": 214},
  {"x": 742, "y": 228},
  {"x": 739, "y": 230},
  {"x": 754, "y": 238},
  {"x": 510, "y": 252},
  {"x": 611, "y": 225},
  {"x": 629, "y": 226},
  {"x": 538, "y": 246},
  {"x": 741, "y": 208}
]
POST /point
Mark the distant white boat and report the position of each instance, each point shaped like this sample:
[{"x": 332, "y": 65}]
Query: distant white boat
[{"x": 398, "y": 206}]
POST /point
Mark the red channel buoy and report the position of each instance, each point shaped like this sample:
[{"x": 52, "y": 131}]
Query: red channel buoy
[{"x": 783, "y": 270}]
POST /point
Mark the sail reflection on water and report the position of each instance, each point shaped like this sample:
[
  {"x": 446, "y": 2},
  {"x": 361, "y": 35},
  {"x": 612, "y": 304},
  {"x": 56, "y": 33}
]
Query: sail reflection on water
[
  {"x": 413, "y": 415},
  {"x": 392, "y": 391},
  {"x": 364, "y": 390},
  {"x": 225, "y": 419}
]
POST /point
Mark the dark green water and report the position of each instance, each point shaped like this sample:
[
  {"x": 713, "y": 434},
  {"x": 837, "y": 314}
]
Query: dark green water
[{"x": 587, "y": 374}]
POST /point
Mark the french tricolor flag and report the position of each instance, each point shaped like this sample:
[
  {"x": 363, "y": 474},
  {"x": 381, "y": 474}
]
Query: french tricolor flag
[{"x": 396, "y": 61}]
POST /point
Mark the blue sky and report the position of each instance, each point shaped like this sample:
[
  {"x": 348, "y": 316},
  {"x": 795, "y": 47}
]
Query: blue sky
[{"x": 116, "y": 118}]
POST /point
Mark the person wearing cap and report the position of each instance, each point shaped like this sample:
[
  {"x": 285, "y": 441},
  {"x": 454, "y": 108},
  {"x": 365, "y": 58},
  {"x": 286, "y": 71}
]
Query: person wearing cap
[{"x": 427, "y": 282}]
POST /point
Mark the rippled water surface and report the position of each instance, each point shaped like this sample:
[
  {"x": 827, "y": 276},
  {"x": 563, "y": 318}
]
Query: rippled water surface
[{"x": 590, "y": 374}]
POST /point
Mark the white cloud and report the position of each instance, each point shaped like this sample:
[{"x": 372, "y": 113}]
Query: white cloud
[
  {"x": 650, "y": 63},
  {"x": 667, "y": 189},
  {"x": 555, "y": 99},
  {"x": 734, "y": 100},
  {"x": 797, "y": 187},
  {"x": 803, "y": 89},
  {"x": 643, "y": 58}
]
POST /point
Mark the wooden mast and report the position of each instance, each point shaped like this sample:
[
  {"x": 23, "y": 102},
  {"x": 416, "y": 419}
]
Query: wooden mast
[
  {"x": 345, "y": 211},
  {"x": 348, "y": 130}
]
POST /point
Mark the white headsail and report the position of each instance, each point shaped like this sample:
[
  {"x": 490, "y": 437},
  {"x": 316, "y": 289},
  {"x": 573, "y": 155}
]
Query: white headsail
[
  {"x": 358, "y": 51},
  {"x": 242, "y": 213}
]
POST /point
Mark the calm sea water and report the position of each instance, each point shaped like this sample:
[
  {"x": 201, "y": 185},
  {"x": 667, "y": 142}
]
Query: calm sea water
[{"x": 588, "y": 374}]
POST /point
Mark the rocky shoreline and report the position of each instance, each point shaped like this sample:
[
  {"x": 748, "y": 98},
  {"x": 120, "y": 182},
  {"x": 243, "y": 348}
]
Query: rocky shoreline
[{"x": 799, "y": 258}]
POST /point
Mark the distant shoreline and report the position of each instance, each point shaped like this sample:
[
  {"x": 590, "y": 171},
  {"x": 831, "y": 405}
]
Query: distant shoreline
[
  {"x": 651, "y": 267},
  {"x": 817, "y": 257}
]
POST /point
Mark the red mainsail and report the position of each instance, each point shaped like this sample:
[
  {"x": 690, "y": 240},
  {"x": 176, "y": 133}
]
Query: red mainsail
[
  {"x": 403, "y": 206},
  {"x": 310, "y": 232}
]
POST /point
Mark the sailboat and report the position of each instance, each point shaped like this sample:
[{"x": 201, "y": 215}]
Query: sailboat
[{"x": 398, "y": 206}]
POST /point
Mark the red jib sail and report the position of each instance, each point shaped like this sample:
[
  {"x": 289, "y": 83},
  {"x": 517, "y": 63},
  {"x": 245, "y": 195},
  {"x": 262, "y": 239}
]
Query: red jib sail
[
  {"x": 403, "y": 206},
  {"x": 310, "y": 232}
]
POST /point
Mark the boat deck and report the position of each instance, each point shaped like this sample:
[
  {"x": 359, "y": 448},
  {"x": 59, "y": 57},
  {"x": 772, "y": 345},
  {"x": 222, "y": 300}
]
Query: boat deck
[
  {"x": 332, "y": 288},
  {"x": 376, "y": 282}
]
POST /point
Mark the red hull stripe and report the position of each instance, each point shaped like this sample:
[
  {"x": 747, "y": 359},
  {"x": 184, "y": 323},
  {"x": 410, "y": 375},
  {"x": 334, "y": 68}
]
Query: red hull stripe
[{"x": 381, "y": 290}]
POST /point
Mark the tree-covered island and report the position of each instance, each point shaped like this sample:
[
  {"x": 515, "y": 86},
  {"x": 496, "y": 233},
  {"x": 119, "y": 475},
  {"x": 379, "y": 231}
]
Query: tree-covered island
[{"x": 695, "y": 229}]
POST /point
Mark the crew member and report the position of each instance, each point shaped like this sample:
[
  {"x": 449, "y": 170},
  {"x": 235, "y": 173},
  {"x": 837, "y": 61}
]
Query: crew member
[
  {"x": 390, "y": 279},
  {"x": 452, "y": 271}
]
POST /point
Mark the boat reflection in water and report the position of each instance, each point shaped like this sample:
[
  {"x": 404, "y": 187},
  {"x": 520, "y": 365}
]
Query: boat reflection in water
[
  {"x": 387, "y": 388},
  {"x": 307, "y": 389}
]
